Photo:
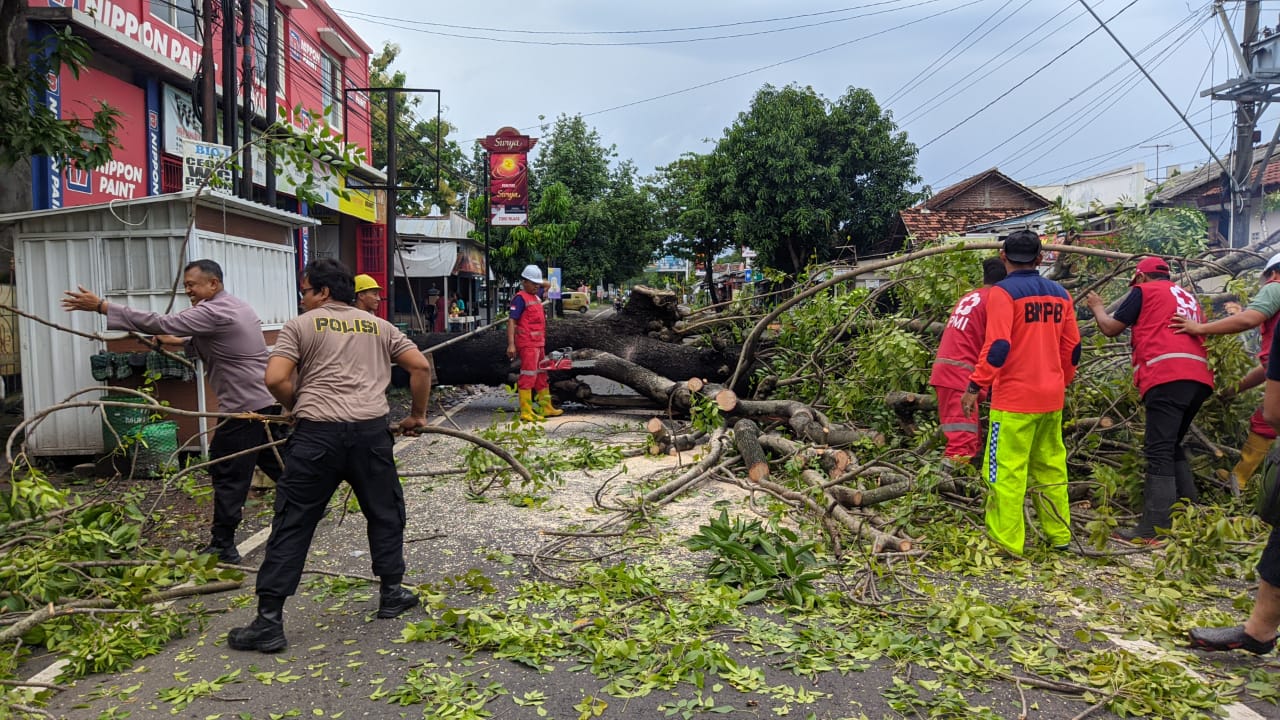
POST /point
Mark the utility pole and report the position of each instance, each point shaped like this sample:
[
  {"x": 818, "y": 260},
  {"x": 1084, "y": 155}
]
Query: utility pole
[
  {"x": 208, "y": 93},
  {"x": 1246, "y": 122},
  {"x": 229, "y": 79},
  {"x": 393, "y": 197},
  {"x": 246, "y": 86},
  {"x": 273, "y": 89}
]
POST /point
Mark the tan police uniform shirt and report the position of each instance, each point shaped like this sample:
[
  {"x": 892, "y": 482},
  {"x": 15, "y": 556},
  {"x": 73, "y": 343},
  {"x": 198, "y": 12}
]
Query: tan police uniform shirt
[{"x": 344, "y": 358}]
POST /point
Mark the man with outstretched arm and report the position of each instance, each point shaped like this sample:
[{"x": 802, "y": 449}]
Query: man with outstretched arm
[
  {"x": 1263, "y": 312},
  {"x": 1172, "y": 373},
  {"x": 1258, "y": 634},
  {"x": 224, "y": 332},
  {"x": 342, "y": 359}
]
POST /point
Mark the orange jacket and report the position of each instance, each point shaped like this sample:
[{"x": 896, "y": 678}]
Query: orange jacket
[{"x": 1032, "y": 344}]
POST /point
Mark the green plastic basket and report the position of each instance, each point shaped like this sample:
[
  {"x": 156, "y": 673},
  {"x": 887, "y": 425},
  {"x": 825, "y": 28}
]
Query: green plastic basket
[
  {"x": 157, "y": 443},
  {"x": 121, "y": 423}
]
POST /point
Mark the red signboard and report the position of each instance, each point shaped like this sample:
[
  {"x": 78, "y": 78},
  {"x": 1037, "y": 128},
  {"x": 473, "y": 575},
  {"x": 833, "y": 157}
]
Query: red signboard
[
  {"x": 508, "y": 176},
  {"x": 508, "y": 189},
  {"x": 124, "y": 177}
]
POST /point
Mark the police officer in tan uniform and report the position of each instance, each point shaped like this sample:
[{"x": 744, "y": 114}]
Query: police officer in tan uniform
[{"x": 342, "y": 358}]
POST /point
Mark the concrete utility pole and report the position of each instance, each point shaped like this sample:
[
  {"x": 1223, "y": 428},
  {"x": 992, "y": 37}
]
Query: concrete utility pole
[{"x": 1246, "y": 123}]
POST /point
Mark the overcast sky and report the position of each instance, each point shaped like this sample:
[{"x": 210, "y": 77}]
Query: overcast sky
[{"x": 932, "y": 63}]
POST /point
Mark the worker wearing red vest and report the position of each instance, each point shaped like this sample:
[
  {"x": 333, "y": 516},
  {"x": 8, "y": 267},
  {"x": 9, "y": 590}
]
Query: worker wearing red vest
[
  {"x": 527, "y": 337},
  {"x": 962, "y": 339},
  {"x": 1172, "y": 373},
  {"x": 1263, "y": 312}
]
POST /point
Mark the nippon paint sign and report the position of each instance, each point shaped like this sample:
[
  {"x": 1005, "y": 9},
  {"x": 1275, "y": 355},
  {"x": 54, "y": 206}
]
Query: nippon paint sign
[
  {"x": 125, "y": 176},
  {"x": 127, "y": 18}
]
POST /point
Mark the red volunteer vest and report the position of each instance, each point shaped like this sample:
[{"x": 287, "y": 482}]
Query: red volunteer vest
[
  {"x": 1267, "y": 331},
  {"x": 961, "y": 341},
  {"x": 531, "y": 328},
  {"x": 1159, "y": 354}
]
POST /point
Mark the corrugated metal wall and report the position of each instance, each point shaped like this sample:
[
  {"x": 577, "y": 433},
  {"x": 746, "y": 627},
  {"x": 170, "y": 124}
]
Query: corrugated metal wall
[
  {"x": 132, "y": 264},
  {"x": 56, "y": 364}
]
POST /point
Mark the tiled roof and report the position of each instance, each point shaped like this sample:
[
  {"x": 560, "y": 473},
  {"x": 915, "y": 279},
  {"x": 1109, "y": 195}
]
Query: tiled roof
[
  {"x": 928, "y": 225},
  {"x": 947, "y": 194},
  {"x": 1205, "y": 182}
]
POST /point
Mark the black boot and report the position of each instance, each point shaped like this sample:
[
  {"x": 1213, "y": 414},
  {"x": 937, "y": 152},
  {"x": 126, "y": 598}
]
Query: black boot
[
  {"x": 266, "y": 633},
  {"x": 223, "y": 544},
  {"x": 394, "y": 600},
  {"x": 1186, "y": 482},
  {"x": 1158, "y": 495}
]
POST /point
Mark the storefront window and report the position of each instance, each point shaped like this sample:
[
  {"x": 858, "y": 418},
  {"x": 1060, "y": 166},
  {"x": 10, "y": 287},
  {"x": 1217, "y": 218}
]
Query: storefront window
[
  {"x": 182, "y": 14},
  {"x": 331, "y": 88}
]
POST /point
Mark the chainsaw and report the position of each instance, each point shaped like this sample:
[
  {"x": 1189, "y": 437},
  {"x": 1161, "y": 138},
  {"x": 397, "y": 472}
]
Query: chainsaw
[{"x": 562, "y": 359}]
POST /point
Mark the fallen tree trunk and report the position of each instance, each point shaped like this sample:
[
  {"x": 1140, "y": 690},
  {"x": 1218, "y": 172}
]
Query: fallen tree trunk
[{"x": 482, "y": 358}]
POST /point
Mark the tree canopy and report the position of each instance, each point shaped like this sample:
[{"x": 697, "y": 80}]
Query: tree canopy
[
  {"x": 800, "y": 178},
  {"x": 695, "y": 232}
]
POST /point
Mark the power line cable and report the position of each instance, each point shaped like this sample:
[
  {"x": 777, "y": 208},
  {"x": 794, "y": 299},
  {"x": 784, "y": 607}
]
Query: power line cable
[
  {"x": 924, "y": 73},
  {"x": 1163, "y": 94},
  {"x": 523, "y": 31},
  {"x": 400, "y": 23},
  {"x": 1113, "y": 99},
  {"x": 932, "y": 104},
  {"x": 1023, "y": 81},
  {"x": 1109, "y": 93},
  {"x": 770, "y": 66}
]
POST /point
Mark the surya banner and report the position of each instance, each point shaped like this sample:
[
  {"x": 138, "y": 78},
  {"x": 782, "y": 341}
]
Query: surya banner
[{"x": 508, "y": 176}]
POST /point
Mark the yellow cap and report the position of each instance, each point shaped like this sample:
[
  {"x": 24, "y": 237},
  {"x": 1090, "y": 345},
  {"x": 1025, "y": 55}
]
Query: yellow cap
[{"x": 364, "y": 282}]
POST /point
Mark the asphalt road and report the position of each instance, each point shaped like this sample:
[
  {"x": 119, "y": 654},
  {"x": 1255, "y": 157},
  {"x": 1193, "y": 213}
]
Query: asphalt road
[{"x": 341, "y": 660}]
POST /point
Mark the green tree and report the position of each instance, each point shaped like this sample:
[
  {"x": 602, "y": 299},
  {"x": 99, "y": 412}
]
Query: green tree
[
  {"x": 697, "y": 232},
  {"x": 415, "y": 143},
  {"x": 619, "y": 229},
  {"x": 799, "y": 177},
  {"x": 572, "y": 154}
]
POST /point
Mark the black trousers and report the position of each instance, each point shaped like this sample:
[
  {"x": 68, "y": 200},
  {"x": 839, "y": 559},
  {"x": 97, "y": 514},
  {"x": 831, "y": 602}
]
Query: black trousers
[
  {"x": 1170, "y": 409},
  {"x": 321, "y": 455},
  {"x": 231, "y": 478}
]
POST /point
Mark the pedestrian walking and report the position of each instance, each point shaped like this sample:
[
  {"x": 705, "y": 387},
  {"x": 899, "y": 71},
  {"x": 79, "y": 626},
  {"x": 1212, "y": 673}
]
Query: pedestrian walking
[
  {"x": 1028, "y": 358},
  {"x": 342, "y": 360},
  {"x": 527, "y": 338},
  {"x": 1172, "y": 373},
  {"x": 1258, "y": 634},
  {"x": 226, "y": 334},
  {"x": 368, "y": 294},
  {"x": 957, "y": 358},
  {"x": 1262, "y": 313}
]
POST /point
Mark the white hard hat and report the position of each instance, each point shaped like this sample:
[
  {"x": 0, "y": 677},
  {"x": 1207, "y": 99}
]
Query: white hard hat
[
  {"x": 1272, "y": 263},
  {"x": 531, "y": 273}
]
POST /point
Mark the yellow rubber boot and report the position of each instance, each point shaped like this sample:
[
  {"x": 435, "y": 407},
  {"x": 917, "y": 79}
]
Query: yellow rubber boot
[
  {"x": 1252, "y": 454},
  {"x": 526, "y": 407},
  {"x": 545, "y": 408}
]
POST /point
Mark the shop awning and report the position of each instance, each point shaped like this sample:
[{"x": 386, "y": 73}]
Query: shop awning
[{"x": 427, "y": 260}]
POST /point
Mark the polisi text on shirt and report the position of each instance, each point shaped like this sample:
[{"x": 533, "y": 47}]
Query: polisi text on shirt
[{"x": 328, "y": 324}]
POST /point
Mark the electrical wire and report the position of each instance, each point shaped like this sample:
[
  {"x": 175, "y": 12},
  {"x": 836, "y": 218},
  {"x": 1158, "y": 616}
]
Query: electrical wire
[
  {"x": 400, "y": 23},
  {"x": 1111, "y": 100},
  {"x": 739, "y": 23},
  {"x": 925, "y": 72},
  {"x": 1023, "y": 81},
  {"x": 770, "y": 66},
  {"x": 1110, "y": 93},
  {"x": 932, "y": 104}
]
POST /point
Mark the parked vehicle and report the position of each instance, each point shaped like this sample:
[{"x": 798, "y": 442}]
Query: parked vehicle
[{"x": 579, "y": 301}]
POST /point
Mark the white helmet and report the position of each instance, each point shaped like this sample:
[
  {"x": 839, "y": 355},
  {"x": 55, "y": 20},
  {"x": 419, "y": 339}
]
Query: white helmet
[
  {"x": 1272, "y": 263},
  {"x": 532, "y": 273}
]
